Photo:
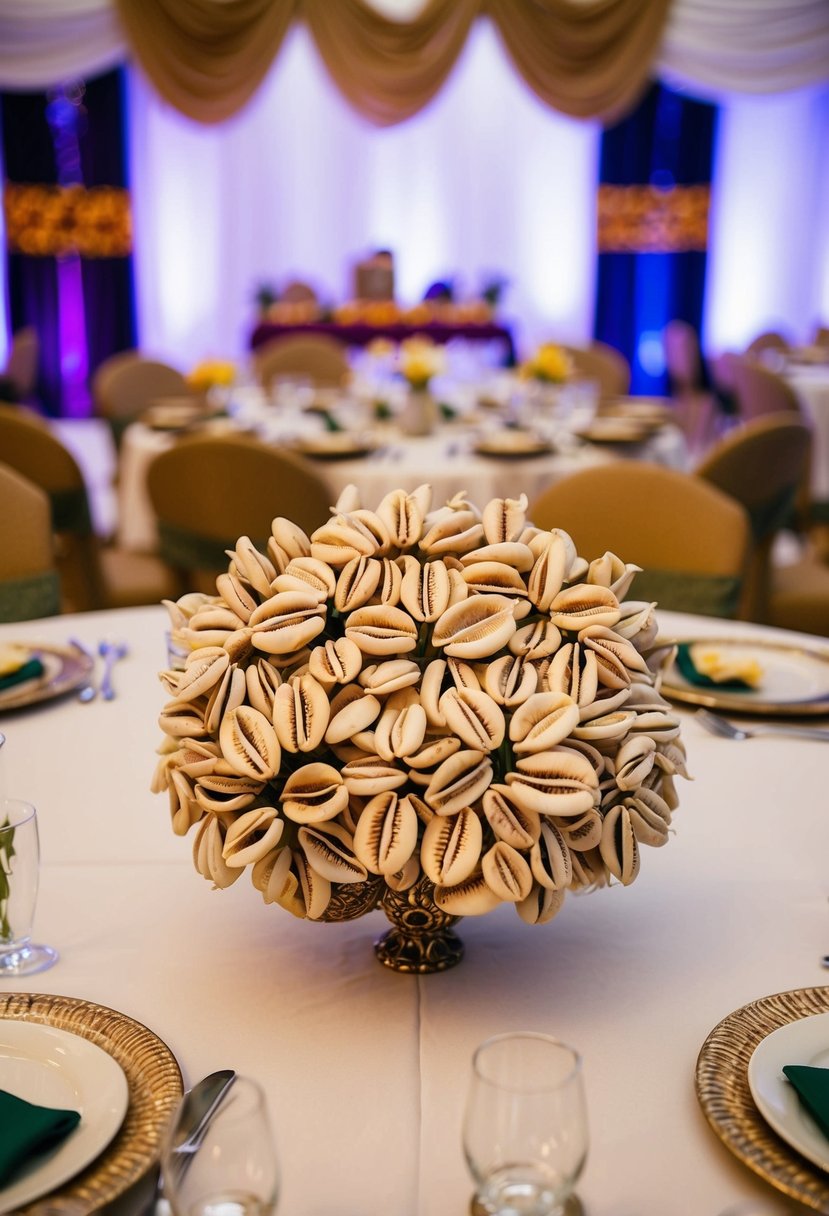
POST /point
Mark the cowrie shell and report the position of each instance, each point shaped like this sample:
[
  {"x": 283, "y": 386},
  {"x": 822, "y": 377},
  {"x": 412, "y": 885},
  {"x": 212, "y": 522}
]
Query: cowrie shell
[
  {"x": 314, "y": 793},
  {"x": 545, "y": 719},
  {"x": 458, "y": 781},
  {"x": 474, "y": 717},
  {"x": 207, "y": 853},
  {"x": 618, "y": 847},
  {"x": 301, "y": 713},
  {"x": 381, "y": 629},
  {"x": 329, "y": 850},
  {"x": 252, "y": 836},
  {"x": 510, "y": 823},
  {"x": 335, "y": 662},
  {"x": 540, "y": 906},
  {"x": 451, "y": 847},
  {"x": 550, "y": 858},
  {"x": 386, "y": 834},
  {"x": 506, "y": 873},
  {"x": 582, "y": 605},
  {"x": 249, "y": 743},
  {"x": 472, "y": 897},
  {"x": 475, "y": 627}
]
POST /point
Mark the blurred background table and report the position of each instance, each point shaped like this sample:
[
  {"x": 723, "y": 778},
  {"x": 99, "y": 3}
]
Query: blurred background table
[{"x": 446, "y": 459}]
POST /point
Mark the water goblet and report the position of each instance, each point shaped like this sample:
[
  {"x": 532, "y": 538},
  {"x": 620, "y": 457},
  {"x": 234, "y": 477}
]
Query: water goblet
[
  {"x": 229, "y": 1168},
  {"x": 525, "y": 1125},
  {"x": 19, "y": 871}
]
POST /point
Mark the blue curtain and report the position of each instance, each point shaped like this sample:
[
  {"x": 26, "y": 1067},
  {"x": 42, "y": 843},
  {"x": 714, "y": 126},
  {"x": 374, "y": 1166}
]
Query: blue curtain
[
  {"x": 80, "y": 298},
  {"x": 653, "y": 197}
]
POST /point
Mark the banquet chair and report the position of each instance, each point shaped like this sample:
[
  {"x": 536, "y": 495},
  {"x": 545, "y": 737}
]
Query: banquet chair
[
  {"x": 764, "y": 465},
  {"x": 601, "y": 363},
  {"x": 799, "y": 596},
  {"x": 319, "y": 356},
  {"x": 696, "y": 407},
  {"x": 691, "y": 540},
  {"x": 821, "y": 337},
  {"x": 29, "y": 582},
  {"x": 770, "y": 340},
  {"x": 23, "y": 362},
  {"x": 126, "y": 383},
  {"x": 93, "y": 575},
  {"x": 208, "y": 490},
  {"x": 760, "y": 390}
]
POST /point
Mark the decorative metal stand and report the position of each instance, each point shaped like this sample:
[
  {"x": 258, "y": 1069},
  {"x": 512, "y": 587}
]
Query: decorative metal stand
[{"x": 421, "y": 939}]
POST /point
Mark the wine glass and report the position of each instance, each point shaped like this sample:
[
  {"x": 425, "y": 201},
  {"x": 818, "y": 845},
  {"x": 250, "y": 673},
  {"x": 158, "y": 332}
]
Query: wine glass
[
  {"x": 19, "y": 874},
  {"x": 525, "y": 1125},
  {"x": 229, "y": 1168}
]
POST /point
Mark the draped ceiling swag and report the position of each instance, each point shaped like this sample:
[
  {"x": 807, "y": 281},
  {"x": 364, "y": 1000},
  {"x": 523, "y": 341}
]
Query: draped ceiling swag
[{"x": 585, "y": 58}]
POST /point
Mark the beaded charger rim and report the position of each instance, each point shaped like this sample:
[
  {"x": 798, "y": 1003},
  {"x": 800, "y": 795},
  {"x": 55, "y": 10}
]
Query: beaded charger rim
[{"x": 721, "y": 1082}]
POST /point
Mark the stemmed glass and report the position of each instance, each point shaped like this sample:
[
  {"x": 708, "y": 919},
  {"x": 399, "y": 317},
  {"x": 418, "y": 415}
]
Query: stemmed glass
[
  {"x": 230, "y": 1170},
  {"x": 525, "y": 1126},
  {"x": 19, "y": 867}
]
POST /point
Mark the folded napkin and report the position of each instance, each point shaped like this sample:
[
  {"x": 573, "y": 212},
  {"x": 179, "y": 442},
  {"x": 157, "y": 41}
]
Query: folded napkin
[
  {"x": 693, "y": 675},
  {"x": 29, "y": 670},
  {"x": 812, "y": 1085},
  {"x": 26, "y": 1130}
]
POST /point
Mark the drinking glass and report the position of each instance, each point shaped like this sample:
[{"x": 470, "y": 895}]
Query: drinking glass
[
  {"x": 229, "y": 1170},
  {"x": 525, "y": 1126},
  {"x": 19, "y": 865}
]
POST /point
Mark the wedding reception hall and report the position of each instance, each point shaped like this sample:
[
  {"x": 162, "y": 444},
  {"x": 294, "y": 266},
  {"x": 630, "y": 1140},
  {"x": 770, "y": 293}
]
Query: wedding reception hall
[{"x": 414, "y": 468}]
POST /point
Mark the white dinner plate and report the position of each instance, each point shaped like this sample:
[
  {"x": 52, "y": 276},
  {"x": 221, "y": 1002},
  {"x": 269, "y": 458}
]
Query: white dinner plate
[
  {"x": 803, "y": 1042},
  {"x": 794, "y": 680},
  {"x": 52, "y": 1067},
  {"x": 65, "y": 668}
]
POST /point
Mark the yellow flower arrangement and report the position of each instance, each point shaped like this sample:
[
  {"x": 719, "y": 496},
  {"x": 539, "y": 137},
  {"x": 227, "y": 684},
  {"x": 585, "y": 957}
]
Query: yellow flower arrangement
[
  {"x": 211, "y": 373},
  {"x": 419, "y": 359},
  {"x": 550, "y": 364}
]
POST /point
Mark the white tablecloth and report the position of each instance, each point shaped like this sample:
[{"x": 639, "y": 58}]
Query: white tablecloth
[
  {"x": 812, "y": 387},
  {"x": 365, "y": 1069},
  {"x": 446, "y": 460}
]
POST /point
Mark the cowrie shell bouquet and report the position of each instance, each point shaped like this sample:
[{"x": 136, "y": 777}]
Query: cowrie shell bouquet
[{"x": 410, "y": 693}]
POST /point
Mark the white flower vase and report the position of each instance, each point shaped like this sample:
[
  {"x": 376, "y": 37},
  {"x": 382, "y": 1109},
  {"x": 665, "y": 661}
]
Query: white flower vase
[{"x": 419, "y": 414}]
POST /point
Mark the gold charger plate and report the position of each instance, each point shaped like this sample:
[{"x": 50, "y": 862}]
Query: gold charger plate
[
  {"x": 65, "y": 668},
  {"x": 722, "y": 1089},
  {"x": 795, "y": 682},
  {"x": 155, "y": 1089}
]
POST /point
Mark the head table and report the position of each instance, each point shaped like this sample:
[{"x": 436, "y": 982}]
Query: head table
[{"x": 365, "y": 1069}]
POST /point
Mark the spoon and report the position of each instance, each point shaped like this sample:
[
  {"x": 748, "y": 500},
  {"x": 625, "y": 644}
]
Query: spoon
[
  {"x": 721, "y": 726},
  {"x": 110, "y": 652}
]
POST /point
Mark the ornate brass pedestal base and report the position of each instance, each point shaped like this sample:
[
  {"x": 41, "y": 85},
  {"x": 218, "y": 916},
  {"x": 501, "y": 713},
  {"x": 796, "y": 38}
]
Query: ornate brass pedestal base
[{"x": 421, "y": 939}]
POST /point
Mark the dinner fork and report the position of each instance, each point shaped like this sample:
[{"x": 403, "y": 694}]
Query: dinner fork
[{"x": 721, "y": 726}]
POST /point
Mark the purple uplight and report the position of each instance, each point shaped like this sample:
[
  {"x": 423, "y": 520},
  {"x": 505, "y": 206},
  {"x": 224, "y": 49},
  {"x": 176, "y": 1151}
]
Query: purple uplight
[{"x": 65, "y": 114}]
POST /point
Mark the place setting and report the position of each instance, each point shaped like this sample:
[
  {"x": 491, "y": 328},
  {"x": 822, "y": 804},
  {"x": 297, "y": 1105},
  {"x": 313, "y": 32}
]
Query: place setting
[{"x": 762, "y": 1081}]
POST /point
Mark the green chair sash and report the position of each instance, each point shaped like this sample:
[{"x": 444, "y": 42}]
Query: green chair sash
[
  {"x": 679, "y": 591},
  {"x": 25, "y": 599},
  {"x": 191, "y": 551}
]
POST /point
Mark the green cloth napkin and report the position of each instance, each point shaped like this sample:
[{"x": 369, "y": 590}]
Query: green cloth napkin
[
  {"x": 26, "y": 1130},
  {"x": 29, "y": 671},
  {"x": 686, "y": 665},
  {"x": 812, "y": 1085}
]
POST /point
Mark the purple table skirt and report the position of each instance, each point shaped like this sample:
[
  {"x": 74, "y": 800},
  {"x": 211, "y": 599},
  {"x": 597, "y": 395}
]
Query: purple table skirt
[{"x": 361, "y": 334}]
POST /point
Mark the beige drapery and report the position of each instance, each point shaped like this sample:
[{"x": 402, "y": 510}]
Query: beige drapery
[{"x": 589, "y": 59}]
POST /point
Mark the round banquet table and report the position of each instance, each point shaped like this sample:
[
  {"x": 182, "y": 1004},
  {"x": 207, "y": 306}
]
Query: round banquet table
[
  {"x": 365, "y": 1069},
  {"x": 446, "y": 459}
]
